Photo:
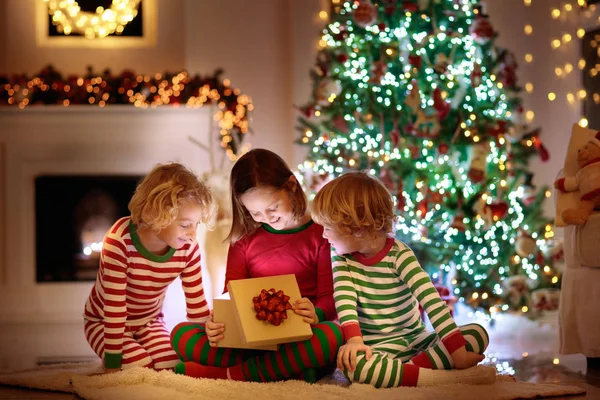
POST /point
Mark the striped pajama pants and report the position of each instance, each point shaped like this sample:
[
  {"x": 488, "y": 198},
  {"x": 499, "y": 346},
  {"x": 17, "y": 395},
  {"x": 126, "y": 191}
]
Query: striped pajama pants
[
  {"x": 143, "y": 346},
  {"x": 291, "y": 359},
  {"x": 385, "y": 367}
]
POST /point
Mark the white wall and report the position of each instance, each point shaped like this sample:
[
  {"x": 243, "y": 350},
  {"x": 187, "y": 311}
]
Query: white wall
[{"x": 23, "y": 55}]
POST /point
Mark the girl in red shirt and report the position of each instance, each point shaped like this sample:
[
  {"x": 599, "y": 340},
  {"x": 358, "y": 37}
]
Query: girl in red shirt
[{"x": 271, "y": 234}]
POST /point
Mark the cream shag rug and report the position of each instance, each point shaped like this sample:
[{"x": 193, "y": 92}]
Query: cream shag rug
[{"x": 145, "y": 384}]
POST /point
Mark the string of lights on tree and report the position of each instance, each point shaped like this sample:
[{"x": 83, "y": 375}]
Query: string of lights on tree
[
  {"x": 49, "y": 87},
  {"x": 417, "y": 93}
]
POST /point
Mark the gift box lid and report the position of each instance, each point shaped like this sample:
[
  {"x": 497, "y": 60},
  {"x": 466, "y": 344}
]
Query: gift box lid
[{"x": 257, "y": 332}]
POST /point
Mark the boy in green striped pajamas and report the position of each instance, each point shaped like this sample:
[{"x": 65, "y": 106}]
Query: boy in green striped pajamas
[{"x": 378, "y": 285}]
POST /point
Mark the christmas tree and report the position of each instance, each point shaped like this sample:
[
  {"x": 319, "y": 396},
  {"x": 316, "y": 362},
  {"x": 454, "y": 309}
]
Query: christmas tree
[{"x": 417, "y": 93}]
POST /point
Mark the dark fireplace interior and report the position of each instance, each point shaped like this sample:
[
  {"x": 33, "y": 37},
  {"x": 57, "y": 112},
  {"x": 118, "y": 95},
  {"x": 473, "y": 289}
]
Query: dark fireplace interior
[{"x": 73, "y": 213}]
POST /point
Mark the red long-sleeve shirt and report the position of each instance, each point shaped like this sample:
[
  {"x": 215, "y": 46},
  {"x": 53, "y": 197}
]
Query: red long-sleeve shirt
[{"x": 302, "y": 251}]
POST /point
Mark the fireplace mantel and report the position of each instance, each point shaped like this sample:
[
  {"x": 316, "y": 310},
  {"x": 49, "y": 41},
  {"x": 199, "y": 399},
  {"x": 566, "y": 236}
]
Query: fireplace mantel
[{"x": 79, "y": 140}]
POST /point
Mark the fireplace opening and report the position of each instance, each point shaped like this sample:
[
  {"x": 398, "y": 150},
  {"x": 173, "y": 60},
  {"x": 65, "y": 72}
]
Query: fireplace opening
[{"x": 72, "y": 214}]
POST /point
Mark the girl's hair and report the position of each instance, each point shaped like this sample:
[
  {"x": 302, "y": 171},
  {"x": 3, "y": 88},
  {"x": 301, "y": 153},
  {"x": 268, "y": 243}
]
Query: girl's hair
[
  {"x": 157, "y": 198},
  {"x": 355, "y": 202},
  {"x": 260, "y": 168}
]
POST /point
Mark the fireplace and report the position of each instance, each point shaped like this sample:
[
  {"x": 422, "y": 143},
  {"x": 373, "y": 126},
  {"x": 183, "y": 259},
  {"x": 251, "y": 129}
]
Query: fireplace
[
  {"x": 72, "y": 215},
  {"x": 76, "y": 168}
]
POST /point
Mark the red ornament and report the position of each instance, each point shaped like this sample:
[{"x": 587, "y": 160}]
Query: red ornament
[
  {"x": 544, "y": 154},
  {"x": 409, "y": 6},
  {"x": 499, "y": 129},
  {"x": 436, "y": 197},
  {"x": 497, "y": 210},
  {"x": 271, "y": 305},
  {"x": 415, "y": 60},
  {"x": 440, "y": 105},
  {"x": 539, "y": 259},
  {"x": 342, "y": 58},
  {"x": 443, "y": 148},
  {"x": 340, "y": 124},
  {"x": 457, "y": 221},
  {"x": 378, "y": 70},
  {"x": 400, "y": 201},
  {"x": 481, "y": 29},
  {"x": 307, "y": 111},
  {"x": 422, "y": 207},
  {"x": 395, "y": 137},
  {"x": 381, "y": 26},
  {"x": 365, "y": 14},
  {"x": 415, "y": 151},
  {"x": 476, "y": 76},
  {"x": 388, "y": 179}
]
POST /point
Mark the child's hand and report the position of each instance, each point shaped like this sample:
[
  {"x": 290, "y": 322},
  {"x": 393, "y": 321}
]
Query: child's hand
[
  {"x": 465, "y": 359},
  {"x": 305, "y": 308},
  {"x": 214, "y": 330},
  {"x": 347, "y": 354}
]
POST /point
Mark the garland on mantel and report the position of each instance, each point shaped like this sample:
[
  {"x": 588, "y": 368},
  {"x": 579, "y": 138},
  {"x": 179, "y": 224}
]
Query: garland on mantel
[{"x": 50, "y": 88}]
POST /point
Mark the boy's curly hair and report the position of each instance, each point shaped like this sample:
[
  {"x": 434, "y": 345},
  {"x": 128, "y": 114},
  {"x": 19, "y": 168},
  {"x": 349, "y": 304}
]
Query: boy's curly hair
[
  {"x": 158, "y": 196},
  {"x": 355, "y": 202}
]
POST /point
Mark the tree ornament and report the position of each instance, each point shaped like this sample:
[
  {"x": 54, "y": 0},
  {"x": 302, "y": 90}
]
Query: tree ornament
[
  {"x": 308, "y": 111},
  {"x": 388, "y": 178},
  {"x": 415, "y": 151},
  {"x": 507, "y": 73},
  {"x": 478, "y": 163},
  {"x": 426, "y": 125},
  {"x": 529, "y": 193},
  {"x": 443, "y": 148},
  {"x": 365, "y": 14},
  {"x": 340, "y": 124},
  {"x": 476, "y": 75},
  {"x": 441, "y": 63},
  {"x": 342, "y": 34},
  {"x": 542, "y": 150},
  {"x": 546, "y": 299},
  {"x": 518, "y": 126},
  {"x": 342, "y": 58},
  {"x": 378, "y": 70},
  {"x": 516, "y": 291},
  {"x": 325, "y": 90},
  {"x": 553, "y": 249},
  {"x": 525, "y": 244},
  {"x": 413, "y": 99},
  {"x": 395, "y": 136},
  {"x": 440, "y": 105},
  {"x": 481, "y": 29},
  {"x": 323, "y": 64},
  {"x": 400, "y": 200},
  {"x": 415, "y": 60},
  {"x": 410, "y": 6},
  {"x": 458, "y": 221},
  {"x": 423, "y": 205},
  {"x": 497, "y": 210},
  {"x": 498, "y": 130},
  {"x": 492, "y": 212}
]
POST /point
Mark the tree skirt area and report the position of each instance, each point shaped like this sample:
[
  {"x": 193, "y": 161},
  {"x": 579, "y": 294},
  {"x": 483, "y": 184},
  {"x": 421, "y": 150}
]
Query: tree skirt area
[{"x": 144, "y": 384}]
